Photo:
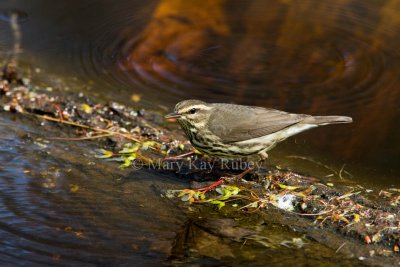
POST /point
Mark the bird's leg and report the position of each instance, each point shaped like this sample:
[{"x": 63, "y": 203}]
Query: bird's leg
[
  {"x": 242, "y": 174},
  {"x": 223, "y": 179},
  {"x": 263, "y": 156}
]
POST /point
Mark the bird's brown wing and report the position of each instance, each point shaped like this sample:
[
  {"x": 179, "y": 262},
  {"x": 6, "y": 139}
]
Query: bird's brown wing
[{"x": 235, "y": 123}]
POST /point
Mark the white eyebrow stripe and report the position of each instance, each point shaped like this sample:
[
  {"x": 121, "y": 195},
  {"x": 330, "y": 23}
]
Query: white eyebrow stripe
[{"x": 202, "y": 107}]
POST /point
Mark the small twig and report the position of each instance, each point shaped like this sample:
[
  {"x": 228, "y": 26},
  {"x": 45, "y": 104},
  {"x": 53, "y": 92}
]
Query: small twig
[
  {"x": 180, "y": 156},
  {"x": 253, "y": 210},
  {"x": 145, "y": 123},
  {"x": 17, "y": 37},
  {"x": 348, "y": 195},
  {"x": 244, "y": 243},
  {"x": 311, "y": 179},
  {"x": 236, "y": 198},
  {"x": 312, "y": 214},
  {"x": 340, "y": 247},
  {"x": 341, "y": 171},
  {"x": 213, "y": 185},
  {"x": 60, "y": 113},
  {"x": 349, "y": 174},
  {"x": 388, "y": 227},
  {"x": 89, "y": 127},
  {"x": 80, "y": 138},
  {"x": 313, "y": 161}
]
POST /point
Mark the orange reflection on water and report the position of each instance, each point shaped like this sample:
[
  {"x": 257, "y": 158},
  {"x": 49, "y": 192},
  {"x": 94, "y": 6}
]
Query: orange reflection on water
[{"x": 316, "y": 57}]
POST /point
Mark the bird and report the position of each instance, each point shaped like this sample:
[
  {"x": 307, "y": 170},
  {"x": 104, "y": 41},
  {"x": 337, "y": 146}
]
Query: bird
[{"x": 230, "y": 131}]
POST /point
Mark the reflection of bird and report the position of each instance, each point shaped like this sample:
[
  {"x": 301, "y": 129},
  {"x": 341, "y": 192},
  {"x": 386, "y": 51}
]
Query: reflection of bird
[{"x": 228, "y": 130}]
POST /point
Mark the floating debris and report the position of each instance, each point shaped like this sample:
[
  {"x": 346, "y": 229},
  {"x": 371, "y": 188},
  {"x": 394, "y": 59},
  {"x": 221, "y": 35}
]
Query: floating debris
[{"x": 287, "y": 202}]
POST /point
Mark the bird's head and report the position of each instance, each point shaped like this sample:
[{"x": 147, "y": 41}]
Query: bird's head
[{"x": 193, "y": 112}]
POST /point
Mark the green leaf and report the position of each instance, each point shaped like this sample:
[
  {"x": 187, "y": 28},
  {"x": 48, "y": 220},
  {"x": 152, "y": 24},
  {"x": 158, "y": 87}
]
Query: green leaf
[
  {"x": 202, "y": 196},
  {"x": 233, "y": 189},
  {"x": 197, "y": 152},
  {"x": 86, "y": 108},
  {"x": 288, "y": 187},
  {"x": 128, "y": 145},
  {"x": 217, "y": 202},
  {"x": 118, "y": 159},
  {"x": 227, "y": 194},
  {"x": 132, "y": 157},
  {"x": 127, "y": 163},
  {"x": 104, "y": 154},
  {"x": 148, "y": 144},
  {"x": 129, "y": 150}
]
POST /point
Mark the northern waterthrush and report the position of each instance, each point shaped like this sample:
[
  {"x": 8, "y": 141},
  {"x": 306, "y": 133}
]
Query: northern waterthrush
[{"x": 228, "y": 130}]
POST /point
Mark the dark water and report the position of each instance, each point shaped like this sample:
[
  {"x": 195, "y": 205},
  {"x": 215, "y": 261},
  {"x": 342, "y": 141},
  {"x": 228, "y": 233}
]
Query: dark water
[{"x": 317, "y": 57}]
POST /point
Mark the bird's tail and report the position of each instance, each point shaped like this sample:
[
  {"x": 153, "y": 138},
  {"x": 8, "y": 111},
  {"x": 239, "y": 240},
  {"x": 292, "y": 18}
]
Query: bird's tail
[{"x": 323, "y": 120}]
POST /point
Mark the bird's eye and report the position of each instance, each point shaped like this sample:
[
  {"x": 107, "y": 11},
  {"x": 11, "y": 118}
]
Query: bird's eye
[{"x": 193, "y": 110}]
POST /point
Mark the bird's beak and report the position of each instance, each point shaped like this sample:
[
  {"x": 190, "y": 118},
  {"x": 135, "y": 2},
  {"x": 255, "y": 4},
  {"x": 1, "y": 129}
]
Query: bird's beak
[{"x": 173, "y": 115}]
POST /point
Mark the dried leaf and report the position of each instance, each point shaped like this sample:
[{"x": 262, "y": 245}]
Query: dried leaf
[
  {"x": 73, "y": 188},
  {"x": 184, "y": 192},
  {"x": 186, "y": 197},
  {"x": 376, "y": 237},
  {"x": 136, "y": 97},
  {"x": 356, "y": 217}
]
